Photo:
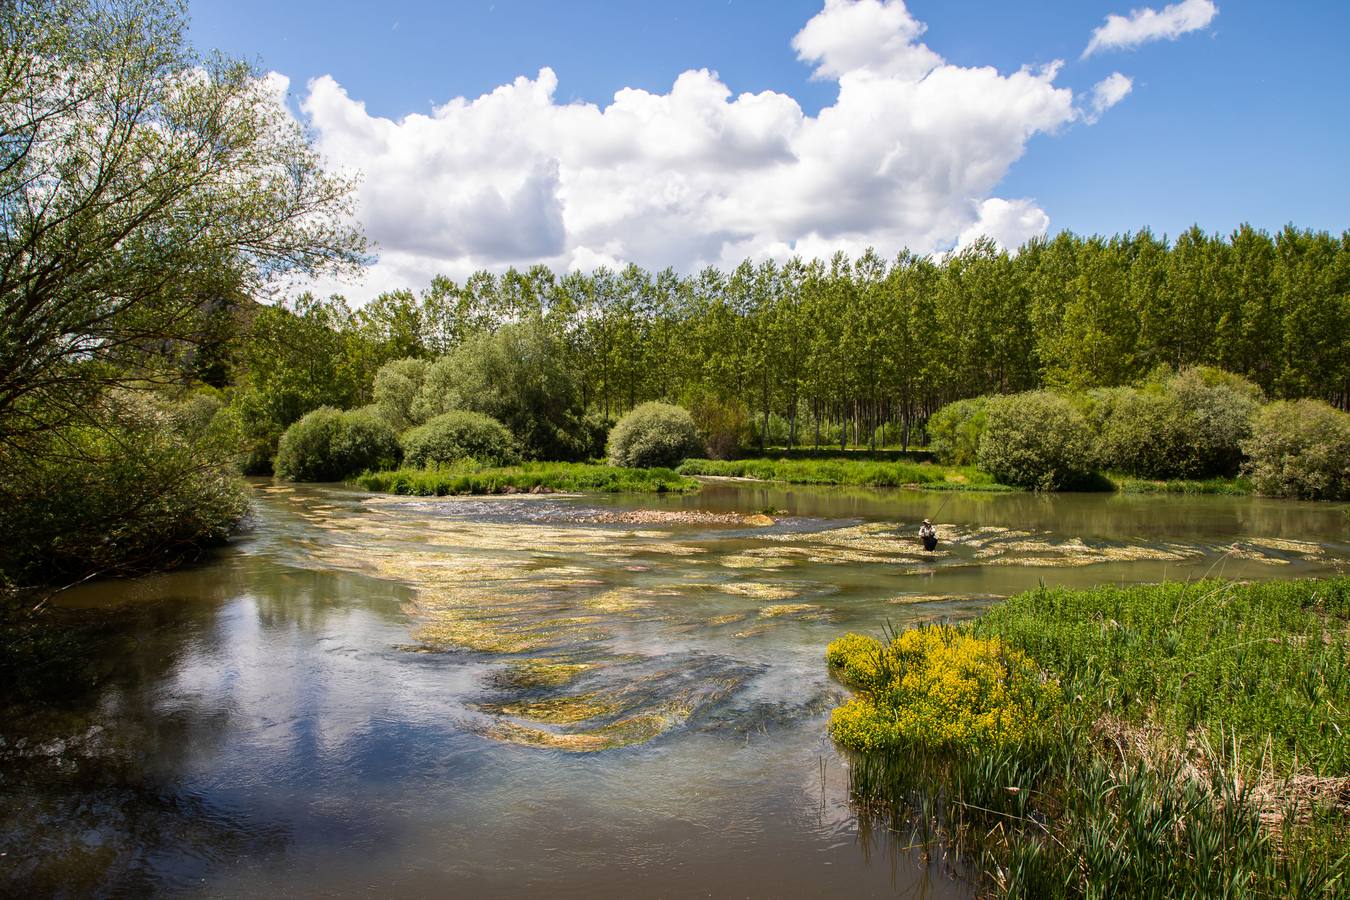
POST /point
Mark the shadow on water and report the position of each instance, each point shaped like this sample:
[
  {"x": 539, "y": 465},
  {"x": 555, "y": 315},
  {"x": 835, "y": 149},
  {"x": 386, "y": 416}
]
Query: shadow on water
[{"x": 372, "y": 695}]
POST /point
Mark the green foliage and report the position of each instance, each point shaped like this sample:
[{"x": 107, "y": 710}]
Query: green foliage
[
  {"x": 518, "y": 376},
  {"x": 395, "y": 390},
  {"x": 1069, "y": 821},
  {"x": 293, "y": 359},
  {"x": 723, "y": 425},
  {"x": 654, "y": 434},
  {"x": 939, "y": 689},
  {"x": 1183, "y": 695},
  {"x": 847, "y": 471},
  {"x": 458, "y": 435},
  {"x": 116, "y": 500},
  {"x": 1233, "y": 487},
  {"x": 470, "y": 478},
  {"x": 1266, "y": 663},
  {"x": 1300, "y": 449},
  {"x": 1218, "y": 409},
  {"x": 954, "y": 431},
  {"x": 1141, "y": 432},
  {"x": 330, "y": 445},
  {"x": 140, "y": 185},
  {"x": 1036, "y": 440}
]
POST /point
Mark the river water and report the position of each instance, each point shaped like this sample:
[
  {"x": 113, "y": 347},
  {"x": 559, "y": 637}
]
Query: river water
[{"x": 582, "y": 696}]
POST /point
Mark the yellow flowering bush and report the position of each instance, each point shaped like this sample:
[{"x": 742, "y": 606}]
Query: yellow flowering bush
[
  {"x": 856, "y": 660},
  {"x": 938, "y": 688}
]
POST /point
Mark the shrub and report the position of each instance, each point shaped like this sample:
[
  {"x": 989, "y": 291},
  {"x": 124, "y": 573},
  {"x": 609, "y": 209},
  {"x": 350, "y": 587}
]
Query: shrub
[
  {"x": 1218, "y": 409},
  {"x": 396, "y": 387},
  {"x": 1037, "y": 440},
  {"x": 117, "y": 500},
  {"x": 1142, "y": 432},
  {"x": 330, "y": 445},
  {"x": 653, "y": 434},
  {"x": 194, "y": 414},
  {"x": 938, "y": 688},
  {"x": 954, "y": 431},
  {"x": 459, "y": 435},
  {"x": 723, "y": 425},
  {"x": 1186, "y": 425},
  {"x": 1301, "y": 449}
]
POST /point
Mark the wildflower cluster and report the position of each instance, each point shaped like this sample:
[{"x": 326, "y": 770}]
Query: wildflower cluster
[{"x": 938, "y": 688}]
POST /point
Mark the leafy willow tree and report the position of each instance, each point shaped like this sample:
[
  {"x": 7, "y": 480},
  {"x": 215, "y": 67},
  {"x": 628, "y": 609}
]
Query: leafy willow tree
[
  {"x": 146, "y": 193},
  {"x": 138, "y": 182}
]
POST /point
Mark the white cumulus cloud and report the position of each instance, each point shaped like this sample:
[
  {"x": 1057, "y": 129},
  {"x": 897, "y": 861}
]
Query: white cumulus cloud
[
  {"x": 1107, "y": 93},
  {"x": 909, "y": 154},
  {"x": 1148, "y": 24},
  {"x": 1008, "y": 223}
]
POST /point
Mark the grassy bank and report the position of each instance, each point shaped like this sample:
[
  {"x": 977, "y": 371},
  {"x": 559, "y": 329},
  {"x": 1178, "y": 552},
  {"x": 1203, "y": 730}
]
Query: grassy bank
[
  {"x": 1197, "y": 747},
  {"x": 860, "y": 473},
  {"x": 1126, "y": 484},
  {"x": 536, "y": 477}
]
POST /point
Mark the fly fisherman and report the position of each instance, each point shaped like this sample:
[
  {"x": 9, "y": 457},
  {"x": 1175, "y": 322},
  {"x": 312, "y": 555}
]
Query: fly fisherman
[{"x": 928, "y": 535}]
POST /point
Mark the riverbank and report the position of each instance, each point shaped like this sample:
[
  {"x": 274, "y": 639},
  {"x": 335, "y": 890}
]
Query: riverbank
[
  {"x": 858, "y": 473},
  {"x": 1198, "y": 749},
  {"x": 528, "y": 478}
]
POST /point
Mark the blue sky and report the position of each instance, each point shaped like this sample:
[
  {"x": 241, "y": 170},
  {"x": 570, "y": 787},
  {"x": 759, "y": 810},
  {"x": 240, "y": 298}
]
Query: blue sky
[{"x": 1244, "y": 119}]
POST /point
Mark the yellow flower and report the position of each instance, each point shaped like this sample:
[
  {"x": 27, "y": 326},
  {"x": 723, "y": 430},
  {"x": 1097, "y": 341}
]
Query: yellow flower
[{"x": 938, "y": 688}]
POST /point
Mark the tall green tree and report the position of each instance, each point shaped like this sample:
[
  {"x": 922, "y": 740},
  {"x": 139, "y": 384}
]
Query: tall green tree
[{"x": 138, "y": 180}]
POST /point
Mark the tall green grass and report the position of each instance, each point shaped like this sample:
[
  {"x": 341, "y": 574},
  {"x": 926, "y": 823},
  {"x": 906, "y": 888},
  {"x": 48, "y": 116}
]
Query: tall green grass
[
  {"x": 566, "y": 477},
  {"x": 847, "y": 472},
  {"x": 1266, "y": 664},
  {"x": 1127, "y": 484},
  {"x": 1170, "y": 770}
]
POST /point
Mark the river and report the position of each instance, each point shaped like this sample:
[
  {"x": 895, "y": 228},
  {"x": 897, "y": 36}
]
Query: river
[{"x": 581, "y": 696}]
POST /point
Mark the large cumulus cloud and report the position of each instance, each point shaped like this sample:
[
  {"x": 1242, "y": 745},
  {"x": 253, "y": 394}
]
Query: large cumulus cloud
[{"x": 908, "y": 155}]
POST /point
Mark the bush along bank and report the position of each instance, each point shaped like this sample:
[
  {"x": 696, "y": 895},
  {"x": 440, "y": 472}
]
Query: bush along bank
[
  {"x": 1201, "y": 430},
  {"x": 1175, "y": 740},
  {"x": 467, "y": 477}
]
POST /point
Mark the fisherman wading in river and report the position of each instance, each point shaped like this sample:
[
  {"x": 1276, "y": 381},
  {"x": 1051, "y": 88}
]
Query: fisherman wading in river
[{"x": 928, "y": 536}]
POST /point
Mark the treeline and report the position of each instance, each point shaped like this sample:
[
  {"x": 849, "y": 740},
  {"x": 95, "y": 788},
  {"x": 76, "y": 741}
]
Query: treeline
[{"x": 864, "y": 351}]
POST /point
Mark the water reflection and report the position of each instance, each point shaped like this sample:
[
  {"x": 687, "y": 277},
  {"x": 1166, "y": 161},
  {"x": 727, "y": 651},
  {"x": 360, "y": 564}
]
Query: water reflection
[{"x": 379, "y": 696}]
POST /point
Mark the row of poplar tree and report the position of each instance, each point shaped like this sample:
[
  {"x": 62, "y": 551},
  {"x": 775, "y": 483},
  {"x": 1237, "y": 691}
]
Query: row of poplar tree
[{"x": 876, "y": 346}]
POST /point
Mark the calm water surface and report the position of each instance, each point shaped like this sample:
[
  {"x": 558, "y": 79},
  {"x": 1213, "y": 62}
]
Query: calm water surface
[{"x": 581, "y": 696}]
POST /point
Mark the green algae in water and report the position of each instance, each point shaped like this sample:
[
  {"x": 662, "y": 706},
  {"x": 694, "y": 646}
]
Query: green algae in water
[
  {"x": 556, "y": 710},
  {"x": 527, "y": 674},
  {"x": 629, "y": 730},
  {"x": 759, "y": 591},
  {"x": 804, "y": 611}
]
